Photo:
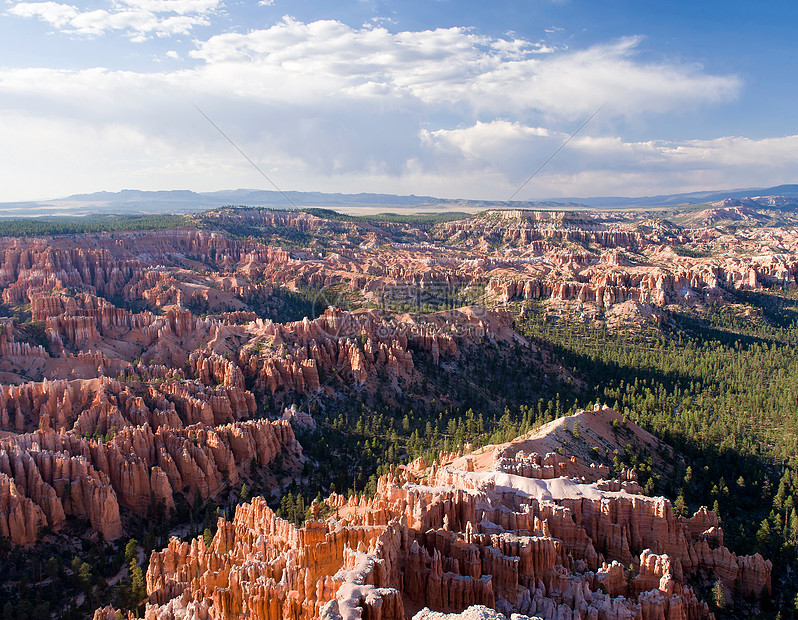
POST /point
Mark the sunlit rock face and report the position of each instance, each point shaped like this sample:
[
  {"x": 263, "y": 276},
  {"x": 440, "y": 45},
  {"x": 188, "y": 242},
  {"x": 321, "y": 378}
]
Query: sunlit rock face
[
  {"x": 101, "y": 444},
  {"x": 470, "y": 538}
]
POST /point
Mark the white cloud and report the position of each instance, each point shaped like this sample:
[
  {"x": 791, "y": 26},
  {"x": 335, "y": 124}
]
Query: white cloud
[
  {"x": 57, "y": 157},
  {"x": 457, "y": 66},
  {"x": 382, "y": 20},
  {"x": 450, "y": 68},
  {"x": 138, "y": 19},
  {"x": 591, "y": 165},
  {"x": 59, "y": 15},
  {"x": 323, "y": 105},
  {"x": 485, "y": 142}
]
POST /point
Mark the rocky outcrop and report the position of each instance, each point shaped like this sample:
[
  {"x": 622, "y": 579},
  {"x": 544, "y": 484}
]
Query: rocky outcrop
[
  {"x": 20, "y": 517},
  {"x": 548, "y": 547},
  {"x": 103, "y": 444},
  {"x": 144, "y": 400},
  {"x": 524, "y": 227},
  {"x": 658, "y": 287},
  {"x": 356, "y": 346},
  {"x": 322, "y": 563},
  {"x": 94, "y": 407},
  {"x": 77, "y": 288},
  {"x": 59, "y": 484},
  {"x": 11, "y": 348},
  {"x": 550, "y": 465}
]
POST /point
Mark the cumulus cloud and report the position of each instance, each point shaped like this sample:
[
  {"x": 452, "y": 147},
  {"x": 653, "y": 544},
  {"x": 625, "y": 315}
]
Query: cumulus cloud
[
  {"x": 485, "y": 145},
  {"x": 595, "y": 165},
  {"x": 448, "y": 68},
  {"x": 456, "y": 66},
  {"x": 59, "y": 15},
  {"x": 323, "y": 105},
  {"x": 138, "y": 19}
]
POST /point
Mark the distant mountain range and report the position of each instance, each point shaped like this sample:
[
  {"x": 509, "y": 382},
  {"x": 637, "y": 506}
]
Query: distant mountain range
[
  {"x": 690, "y": 197},
  {"x": 185, "y": 201}
]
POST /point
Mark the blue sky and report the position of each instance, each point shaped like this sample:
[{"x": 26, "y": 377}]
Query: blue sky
[{"x": 453, "y": 99}]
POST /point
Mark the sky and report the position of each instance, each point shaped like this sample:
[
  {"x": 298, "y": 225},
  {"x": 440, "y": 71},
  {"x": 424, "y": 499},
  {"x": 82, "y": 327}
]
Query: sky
[{"x": 450, "y": 98}]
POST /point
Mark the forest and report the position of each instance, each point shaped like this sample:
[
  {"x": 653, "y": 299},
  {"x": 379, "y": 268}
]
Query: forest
[{"x": 60, "y": 225}]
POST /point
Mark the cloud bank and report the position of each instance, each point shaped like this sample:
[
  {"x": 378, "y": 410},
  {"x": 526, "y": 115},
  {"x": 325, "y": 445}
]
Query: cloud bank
[
  {"x": 324, "y": 105},
  {"x": 137, "y": 19}
]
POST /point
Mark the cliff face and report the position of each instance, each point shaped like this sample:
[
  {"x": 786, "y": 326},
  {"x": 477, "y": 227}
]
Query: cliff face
[
  {"x": 69, "y": 287},
  {"x": 559, "y": 257},
  {"x": 688, "y": 283},
  {"x": 524, "y": 228},
  {"x": 92, "y": 407},
  {"x": 103, "y": 444},
  {"x": 174, "y": 417},
  {"x": 547, "y": 546},
  {"x": 354, "y": 346},
  {"x": 84, "y": 290}
]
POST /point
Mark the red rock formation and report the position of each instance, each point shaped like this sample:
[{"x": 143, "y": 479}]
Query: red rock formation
[
  {"x": 355, "y": 346},
  {"x": 113, "y": 444},
  {"x": 20, "y": 516},
  {"x": 60, "y": 485},
  {"x": 531, "y": 545},
  {"x": 518, "y": 533},
  {"x": 94, "y": 407},
  {"x": 10, "y": 348}
]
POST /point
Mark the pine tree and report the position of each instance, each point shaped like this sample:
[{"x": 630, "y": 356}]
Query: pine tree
[
  {"x": 138, "y": 589},
  {"x": 718, "y": 596},
  {"x": 680, "y": 506},
  {"x": 131, "y": 550}
]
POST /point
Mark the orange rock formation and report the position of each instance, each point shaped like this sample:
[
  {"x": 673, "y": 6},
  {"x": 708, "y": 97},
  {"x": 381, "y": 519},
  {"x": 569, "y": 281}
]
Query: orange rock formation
[
  {"x": 547, "y": 545},
  {"x": 103, "y": 444}
]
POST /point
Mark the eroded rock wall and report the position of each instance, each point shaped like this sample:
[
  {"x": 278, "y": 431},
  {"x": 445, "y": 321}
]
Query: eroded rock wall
[
  {"x": 452, "y": 539},
  {"x": 103, "y": 444}
]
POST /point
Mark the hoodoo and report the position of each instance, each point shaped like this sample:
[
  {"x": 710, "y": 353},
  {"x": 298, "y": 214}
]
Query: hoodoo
[{"x": 497, "y": 534}]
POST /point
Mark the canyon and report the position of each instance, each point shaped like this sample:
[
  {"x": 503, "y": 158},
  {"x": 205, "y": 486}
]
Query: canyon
[{"x": 150, "y": 377}]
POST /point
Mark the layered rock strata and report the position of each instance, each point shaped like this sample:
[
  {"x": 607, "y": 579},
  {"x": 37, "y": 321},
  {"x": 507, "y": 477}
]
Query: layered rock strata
[
  {"x": 548, "y": 547},
  {"x": 103, "y": 444}
]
